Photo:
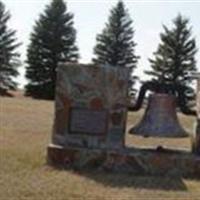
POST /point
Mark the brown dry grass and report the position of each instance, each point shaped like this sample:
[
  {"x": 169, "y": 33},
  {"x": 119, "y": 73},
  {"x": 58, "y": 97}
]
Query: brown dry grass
[{"x": 25, "y": 131}]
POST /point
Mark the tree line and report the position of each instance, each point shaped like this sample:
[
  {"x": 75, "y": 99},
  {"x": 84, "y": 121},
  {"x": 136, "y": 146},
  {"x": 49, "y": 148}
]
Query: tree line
[{"x": 53, "y": 40}]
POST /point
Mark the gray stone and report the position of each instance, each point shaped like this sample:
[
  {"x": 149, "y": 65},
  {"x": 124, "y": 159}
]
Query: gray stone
[{"x": 91, "y": 106}]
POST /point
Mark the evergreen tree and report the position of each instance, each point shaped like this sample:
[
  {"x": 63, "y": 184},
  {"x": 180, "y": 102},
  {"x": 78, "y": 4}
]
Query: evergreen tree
[
  {"x": 175, "y": 57},
  {"x": 115, "y": 45},
  {"x": 8, "y": 55},
  {"x": 52, "y": 41}
]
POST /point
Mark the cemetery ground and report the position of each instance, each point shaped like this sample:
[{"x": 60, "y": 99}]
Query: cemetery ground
[{"x": 25, "y": 131}]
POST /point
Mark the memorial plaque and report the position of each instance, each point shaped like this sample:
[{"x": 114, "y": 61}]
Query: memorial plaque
[{"x": 88, "y": 121}]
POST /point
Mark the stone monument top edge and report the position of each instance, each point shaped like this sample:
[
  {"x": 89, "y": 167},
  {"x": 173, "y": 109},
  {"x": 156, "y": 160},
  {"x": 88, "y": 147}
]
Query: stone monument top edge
[
  {"x": 195, "y": 75},
  {"x": 62, "y": 65}
]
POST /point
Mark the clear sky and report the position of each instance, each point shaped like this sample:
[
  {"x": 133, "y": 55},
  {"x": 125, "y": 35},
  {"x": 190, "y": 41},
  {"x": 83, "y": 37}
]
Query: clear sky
[{"x": 90, "y": 17}]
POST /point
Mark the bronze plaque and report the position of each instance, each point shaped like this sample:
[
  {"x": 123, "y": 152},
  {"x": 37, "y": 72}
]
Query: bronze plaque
[{"x": 88, "y": 121}]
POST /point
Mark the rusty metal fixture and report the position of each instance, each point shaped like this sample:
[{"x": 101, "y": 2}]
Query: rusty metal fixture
[{"x": 160, "y": 118}]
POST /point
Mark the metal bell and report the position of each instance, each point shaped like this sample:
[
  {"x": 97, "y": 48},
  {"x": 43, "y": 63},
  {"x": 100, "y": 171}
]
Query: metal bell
[{"x": 160, "y": 118}]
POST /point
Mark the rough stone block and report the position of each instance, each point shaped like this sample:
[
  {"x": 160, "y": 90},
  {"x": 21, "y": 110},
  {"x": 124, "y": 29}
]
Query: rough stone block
[
  {"x": 91, "y": 106},
  {"x": 131, "y": 161}
]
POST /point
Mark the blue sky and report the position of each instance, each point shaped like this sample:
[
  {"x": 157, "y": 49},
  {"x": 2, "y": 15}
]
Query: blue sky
[{"x": 90, "y": 17}]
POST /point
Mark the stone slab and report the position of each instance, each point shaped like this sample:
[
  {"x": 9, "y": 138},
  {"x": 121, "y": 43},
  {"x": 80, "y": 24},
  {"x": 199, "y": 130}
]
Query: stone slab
[
  {"x": 91, "y": 106},
  {"x": 133, "y": 161}
]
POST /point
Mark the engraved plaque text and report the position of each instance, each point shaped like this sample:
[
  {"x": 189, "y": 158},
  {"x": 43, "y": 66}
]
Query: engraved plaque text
[{"x": 88, "y": 121}]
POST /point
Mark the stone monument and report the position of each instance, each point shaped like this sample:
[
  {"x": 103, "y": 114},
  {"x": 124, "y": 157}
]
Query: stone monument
[
  {"x": 90, "y": 125},
  {"x": 90, "y": 108}
]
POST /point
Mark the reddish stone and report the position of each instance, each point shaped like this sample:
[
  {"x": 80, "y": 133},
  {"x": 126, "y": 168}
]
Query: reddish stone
[
  {"x": 96, "y": 103},
  {"x": 66, "y": 101},
  {"x": 111, "y": 77},
  {"x": 162, "y": 162},
  {"x": 59, "y": 156},
  {"x": 62, "y": 115},
  {"x": 121, "y": 84},
  {"x": 116, "y": 118}
]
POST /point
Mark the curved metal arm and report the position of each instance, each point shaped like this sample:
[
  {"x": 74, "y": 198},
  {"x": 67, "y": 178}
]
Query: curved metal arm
[
  {"x": 146, "y": 86},
  {"x": 163, "y": 88},
  {"x": 182, "y": 102}
]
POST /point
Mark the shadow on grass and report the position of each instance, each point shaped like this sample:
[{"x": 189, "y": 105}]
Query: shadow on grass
[{"x": 135, "y": 181}]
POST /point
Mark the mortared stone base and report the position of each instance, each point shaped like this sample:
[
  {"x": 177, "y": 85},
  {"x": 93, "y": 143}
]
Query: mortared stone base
[{"x": 127, "y": 160}]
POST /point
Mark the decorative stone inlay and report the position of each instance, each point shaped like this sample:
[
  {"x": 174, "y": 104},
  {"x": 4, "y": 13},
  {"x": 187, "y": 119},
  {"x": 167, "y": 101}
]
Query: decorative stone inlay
[{"x": 96, "y": 103}]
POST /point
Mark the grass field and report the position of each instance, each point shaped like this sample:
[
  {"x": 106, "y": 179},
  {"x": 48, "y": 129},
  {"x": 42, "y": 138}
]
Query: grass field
[{"x": 25, "y": 131}]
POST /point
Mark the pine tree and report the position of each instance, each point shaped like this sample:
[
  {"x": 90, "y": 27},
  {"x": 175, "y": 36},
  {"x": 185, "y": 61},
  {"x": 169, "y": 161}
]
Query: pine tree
[
  {"x": 52, "y": 42},
  {"x": 175, "y": 57},
  {"x": 8, "y": 56},
  {"x": 115, "y": 45}
]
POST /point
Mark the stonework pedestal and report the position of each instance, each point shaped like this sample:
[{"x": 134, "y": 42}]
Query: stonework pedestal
[
  {"x": 126, "y": 160},
  {"x": 90, "y": 125}
]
